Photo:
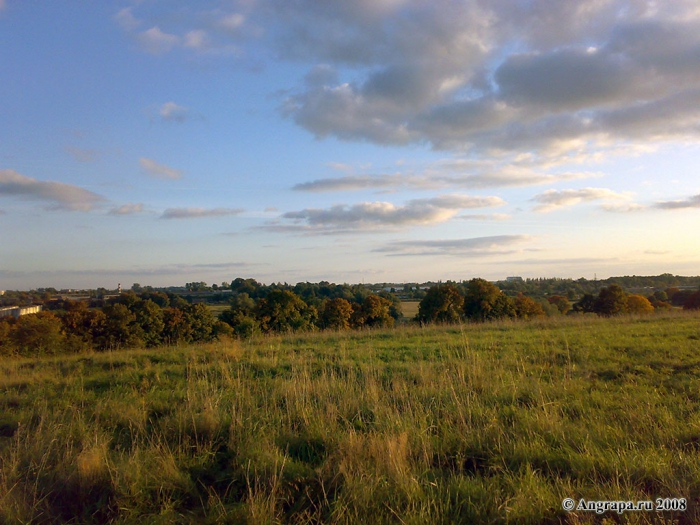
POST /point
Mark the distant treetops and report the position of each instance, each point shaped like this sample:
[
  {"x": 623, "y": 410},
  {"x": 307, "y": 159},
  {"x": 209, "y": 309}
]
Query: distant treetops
[{"x": 481, "y": 300}]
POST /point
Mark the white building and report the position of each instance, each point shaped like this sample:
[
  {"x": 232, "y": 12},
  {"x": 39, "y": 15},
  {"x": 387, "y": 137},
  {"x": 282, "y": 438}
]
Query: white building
[{"x": 16, "y": 311}]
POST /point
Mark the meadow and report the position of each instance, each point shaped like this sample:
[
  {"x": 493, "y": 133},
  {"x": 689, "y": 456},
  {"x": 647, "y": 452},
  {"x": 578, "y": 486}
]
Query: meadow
[{"x": 476, "y": 423}]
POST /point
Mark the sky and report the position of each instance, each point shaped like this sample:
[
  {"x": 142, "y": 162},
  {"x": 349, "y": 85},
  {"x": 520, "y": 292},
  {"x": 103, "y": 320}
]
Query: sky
[{"x": 163, "y": 142}]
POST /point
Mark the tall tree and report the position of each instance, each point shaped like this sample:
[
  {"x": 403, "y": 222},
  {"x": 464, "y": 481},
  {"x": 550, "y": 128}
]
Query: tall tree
[
  {"x": 441, "y": 304},
  {"x": 336, "y": 314},
  {"x": 611, "y": 300},
  {"x": 484, "y": 301},
  {"x": 284, "y": 311}
]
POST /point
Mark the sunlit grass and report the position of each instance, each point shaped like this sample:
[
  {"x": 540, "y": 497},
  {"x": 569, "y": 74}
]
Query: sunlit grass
[{"x": 463, "y": 424}]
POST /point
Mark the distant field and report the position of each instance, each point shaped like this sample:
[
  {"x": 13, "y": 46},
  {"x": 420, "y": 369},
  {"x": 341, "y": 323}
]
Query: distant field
[
  {"x": 216, "y": 309},
  {"x": 410, "y": 309},
  {"x": 494, "y": 423}
]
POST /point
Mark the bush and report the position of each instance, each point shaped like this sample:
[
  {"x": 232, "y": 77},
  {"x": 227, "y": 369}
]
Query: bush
[
  {"x": 692, "y": 302},
  {"x": 637, "y": 304}
]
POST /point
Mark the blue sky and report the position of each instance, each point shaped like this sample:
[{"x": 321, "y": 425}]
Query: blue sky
[{"x": 163, "y": 142}]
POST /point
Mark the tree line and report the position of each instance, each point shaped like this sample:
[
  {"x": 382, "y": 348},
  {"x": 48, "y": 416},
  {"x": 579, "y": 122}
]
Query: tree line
[
  {"x": 131, "y": 320},
  {"x": 481, "y": 300},
  {"x": 153, "y": 318}
]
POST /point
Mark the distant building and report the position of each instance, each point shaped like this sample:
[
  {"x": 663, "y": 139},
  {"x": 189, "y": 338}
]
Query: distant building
[
  {"x": 514, "y": 279},
  {"x": 16, "y": 311}
]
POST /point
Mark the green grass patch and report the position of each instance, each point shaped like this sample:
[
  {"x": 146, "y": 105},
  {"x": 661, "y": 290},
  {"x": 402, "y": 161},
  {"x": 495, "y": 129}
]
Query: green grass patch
[{"x": 491, "y": 423}]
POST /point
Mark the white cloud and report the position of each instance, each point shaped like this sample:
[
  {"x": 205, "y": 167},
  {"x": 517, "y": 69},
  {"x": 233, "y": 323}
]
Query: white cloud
[
  {"x": 61, "y": 196},
  {"x": 171, "y": 112},
  {"x": 198, "y": 213},
  {"x": 127, "y": 209},
  {"x": 555, "y": 199},
  {"x": 156, "y": 41},
  {"x": 197, "y": 39},
  {"x": 232, "y": 22},
  {"x": 126, "y": 19},
  {"x": 473, "y": 247},
  {"x": 159, "y": 171}
]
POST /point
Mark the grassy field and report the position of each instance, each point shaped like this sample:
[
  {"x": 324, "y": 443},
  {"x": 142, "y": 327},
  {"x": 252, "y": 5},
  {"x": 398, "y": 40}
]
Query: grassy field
[
  {"x": 410, "y": 309},
  {"x": 493, "y": 423}
]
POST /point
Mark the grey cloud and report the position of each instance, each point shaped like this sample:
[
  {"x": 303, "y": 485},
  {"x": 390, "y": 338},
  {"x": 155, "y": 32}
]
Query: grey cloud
[
  {"x": 623, "y": 207},
  {"x": 554, "y": 199},
  {"x": 484, "y": 176},
  {"x": 690, "y": 202},
  {"x": 559, "y": 262},
  {"x": 477, "y": 246},
  {"x": 159, "y": 171},
  {"x": 61, "y": 196},
  {"x": 351, "y": 183},
  {"x": 197, "y": 213},
  {"x": 548, "y": 77},
  {"x": 564, "y": 79},
  {"x": 127, "y": 209},
  {"x": 373, "y": 215},
  {"x": 594, "y": 65},
  {"x": 484, "y": 217}
]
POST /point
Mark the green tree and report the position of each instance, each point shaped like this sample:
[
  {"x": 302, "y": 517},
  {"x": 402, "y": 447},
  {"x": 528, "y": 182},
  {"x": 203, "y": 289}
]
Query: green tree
[
  {"x": 149, "y": 317},
  {"x": 527, "y": 308},
  {"x": 177, "y": 328},
  {"x": 586, "y": 304},
  {"x": 484, "y": 301},
  {"x": 374, "y": 312},
  {"x": 336, "y": 314},
  {"x": 83, "y": 327},
  {"x": 562, "y": 303},
  {"x": 441, "y": 304},
  {"x": 120, "y": 328},
  {"x": 201, "y": 322},
  {"x": 283, "y": 311},
  {"x": 38, "y": 334},
  {"x": 692, "y": 302},
  {"x": 611, "y": 300}
]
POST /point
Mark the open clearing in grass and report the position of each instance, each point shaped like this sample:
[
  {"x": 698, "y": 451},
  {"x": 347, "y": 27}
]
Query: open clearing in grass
[{"x": 494, "y": 423}]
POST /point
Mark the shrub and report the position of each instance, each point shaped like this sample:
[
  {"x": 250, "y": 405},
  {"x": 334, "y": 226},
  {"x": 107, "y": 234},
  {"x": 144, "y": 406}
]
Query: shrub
[{"x": 637, "y": 304}]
